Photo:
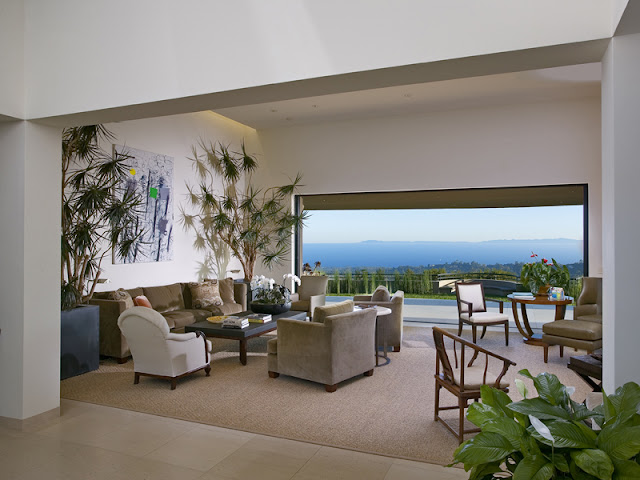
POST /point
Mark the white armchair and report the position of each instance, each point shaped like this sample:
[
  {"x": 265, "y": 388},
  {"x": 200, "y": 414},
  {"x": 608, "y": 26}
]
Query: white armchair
[{"x": 159, "y": 353}]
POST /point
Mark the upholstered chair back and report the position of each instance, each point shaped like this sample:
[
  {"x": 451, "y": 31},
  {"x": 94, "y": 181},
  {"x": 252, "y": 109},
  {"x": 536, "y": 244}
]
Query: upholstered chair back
[
  {"x": 312, "y": 285},
  {"x": 473, "y": 293},
  {"x": 321, "y": 313},
  {"x": 146, "y": 332},
  {"x": 589, "y": 304}
]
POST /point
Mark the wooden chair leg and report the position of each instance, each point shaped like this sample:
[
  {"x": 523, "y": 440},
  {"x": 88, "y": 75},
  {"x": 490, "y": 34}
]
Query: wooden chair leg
[
  {"x": 136, "y": 378},
  {"x": 475, "y": 334},
  {"x": 122, "y": 360},
  {"x": 273, "y": 374},
  {"x": 484, "y": 330},
  {"x": 461, "y": 404},
  {"x": 396, "y": 349},
  {"x": 561, "y": 350},
  {"x": 506, "y": 334},
  {"x": 459, "y": 327},
  {"x": 174, "y": 383},
  {"x": 207, "y": 370},
  {"x": 368, "y": 373},
  {"x": 437, "y": 403},
  {"x": 546, "y": 353},
  {"x": 331, "y": 388}
]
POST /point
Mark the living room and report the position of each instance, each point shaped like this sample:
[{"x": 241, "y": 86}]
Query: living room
[{"x": 515, "y": 141}]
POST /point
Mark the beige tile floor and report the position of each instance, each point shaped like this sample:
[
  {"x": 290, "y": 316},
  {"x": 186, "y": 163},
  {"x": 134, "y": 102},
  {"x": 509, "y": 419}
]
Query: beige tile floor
[{"x": 92, "y": 442}]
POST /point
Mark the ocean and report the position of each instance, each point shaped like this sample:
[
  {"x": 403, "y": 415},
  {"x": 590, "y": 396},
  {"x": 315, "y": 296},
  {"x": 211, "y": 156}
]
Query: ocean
[{"x": 392, "y": 254}]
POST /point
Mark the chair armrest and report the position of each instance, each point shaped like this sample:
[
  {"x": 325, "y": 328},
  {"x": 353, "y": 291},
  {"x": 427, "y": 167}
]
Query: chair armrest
[
  {"x": 469, "y": 306},
  {"x": 294, "y": 297},
  {"x": 499, "y": 302},
  {"x": 316, "y": 301},
  {"x": 362, "y": 298},
  {"x": 181, "y": 337}
]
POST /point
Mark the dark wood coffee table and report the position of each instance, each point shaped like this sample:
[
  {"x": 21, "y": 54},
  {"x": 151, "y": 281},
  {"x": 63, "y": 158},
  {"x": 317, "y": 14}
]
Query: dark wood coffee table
[{"x": 243, "y": 334}]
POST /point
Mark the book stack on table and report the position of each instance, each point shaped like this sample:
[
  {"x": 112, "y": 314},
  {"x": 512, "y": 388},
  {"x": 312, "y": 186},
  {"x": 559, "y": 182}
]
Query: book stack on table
[
  {"x": 523, "y": 296},
  {"x": 235, "y": 322},
  {"x": 259, "y": 317}
]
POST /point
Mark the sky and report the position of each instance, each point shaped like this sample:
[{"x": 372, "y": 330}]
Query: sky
[{"x": 481, "y": 224}]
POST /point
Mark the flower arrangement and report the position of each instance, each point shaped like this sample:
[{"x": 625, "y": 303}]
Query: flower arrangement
[
  {"x": 538, "y": 276},
  {"x": 265, "y": 290},
  {"x": 306, "y": 269}
]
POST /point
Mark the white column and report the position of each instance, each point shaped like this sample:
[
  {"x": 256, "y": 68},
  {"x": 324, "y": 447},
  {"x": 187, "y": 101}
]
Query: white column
[
  {"x": 29, "y": 269},
  {"x": 620, "y": 213}
]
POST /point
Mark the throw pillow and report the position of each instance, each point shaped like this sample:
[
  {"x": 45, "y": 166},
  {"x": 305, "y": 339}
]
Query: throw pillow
[
  {"x": 206, "y": 294},
  {"x": 381, "y": 295},
  {"x": 226, "y": 290},
  {"x": 121, "y": 294},
  {"x": 142, "y": 301}
]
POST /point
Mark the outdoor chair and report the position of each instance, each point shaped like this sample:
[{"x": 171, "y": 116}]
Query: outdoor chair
[
  {"x": 472, "y": 310},
  {"x": 585, "y": 330},
  {"x": 159, "y": 353},
  {"x": 464, "y": 380}
]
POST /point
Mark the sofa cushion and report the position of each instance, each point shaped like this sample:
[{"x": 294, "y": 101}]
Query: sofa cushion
[
  {"x": 180, "y": 318},
  {"x": 166, "y": 298},
  {"x": 142, "y": 301},
  {"x": 381, "y": 294},
  {"x": 135, "y": 292},
  {"x": 577, "y": 329},
  {"x": 320, "y": 313},
  {"x": 121, "y": 294},
  {"x": 225, "y": 309},
  {"x": 205, "y": 294}
]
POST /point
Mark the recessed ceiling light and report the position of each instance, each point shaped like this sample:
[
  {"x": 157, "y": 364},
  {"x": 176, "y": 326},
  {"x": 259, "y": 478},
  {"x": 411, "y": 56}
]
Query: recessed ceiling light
[
  {"x": 288, "y": 119},
  {"x": 273, "y": 110},
  {"x": 408, "y": 95},
  {"x": 314, "y": 106}
]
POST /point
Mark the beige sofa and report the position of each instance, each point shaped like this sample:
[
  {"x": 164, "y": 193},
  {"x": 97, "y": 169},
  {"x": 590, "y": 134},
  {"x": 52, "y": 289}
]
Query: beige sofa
[
  {"x": 338, "y": 344},
  {"x": 172, "y": 301},
  {"x": 393, "y": 327}
]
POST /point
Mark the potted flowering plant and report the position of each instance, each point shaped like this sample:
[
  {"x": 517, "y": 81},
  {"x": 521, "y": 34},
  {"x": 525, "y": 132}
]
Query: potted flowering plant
[
  {"x": 541, "y": 275},
  {"x": 306, "y": 269},
  {"x": 269, "y": 297}
]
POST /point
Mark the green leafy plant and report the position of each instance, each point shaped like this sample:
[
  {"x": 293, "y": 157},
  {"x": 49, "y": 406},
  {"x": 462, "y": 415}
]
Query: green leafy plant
[
  {"x": 252, "y": 222},
  {"x": 99, "y": 212},
  {"x": 547, "y": 436},
  {"x": 536, "y": 274}
]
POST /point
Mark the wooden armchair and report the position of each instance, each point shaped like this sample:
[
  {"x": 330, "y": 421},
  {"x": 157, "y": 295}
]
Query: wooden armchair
[
  {"x": 464, "y": 380},
  {"x": 472, "y": 310}
]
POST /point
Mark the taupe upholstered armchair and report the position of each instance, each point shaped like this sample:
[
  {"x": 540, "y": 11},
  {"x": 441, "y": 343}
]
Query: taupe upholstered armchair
[
  {"x": 337, "y": 345},
  {"x": 393, "y": 327},
  {"x": 312, "y": 293},
  {"x": 472, "y": 310},
  {"x": 585, "y": 330}
]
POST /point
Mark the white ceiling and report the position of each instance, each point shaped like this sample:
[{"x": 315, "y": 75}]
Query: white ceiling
[{"x": 543, "y": 85}]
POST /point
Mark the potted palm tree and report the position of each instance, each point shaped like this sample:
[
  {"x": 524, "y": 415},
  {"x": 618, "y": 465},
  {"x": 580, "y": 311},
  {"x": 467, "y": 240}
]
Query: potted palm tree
[
  {"x": 99, "y": 215},
  {"x": 253, "y": 223}
]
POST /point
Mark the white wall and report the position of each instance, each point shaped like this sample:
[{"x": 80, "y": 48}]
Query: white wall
[
  {"x": 174, "y": 136},
  {"x": 621, "y": 220},
  {"x": 12, "y": 20},
  {"x": 149, "y": 50},
  {"x": 528, "y": 144},
  {"x": 29, "y": 269}
]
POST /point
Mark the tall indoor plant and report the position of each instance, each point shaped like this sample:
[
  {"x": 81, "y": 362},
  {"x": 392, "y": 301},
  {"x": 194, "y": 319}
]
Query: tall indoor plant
[
  {"x": 252, "y": 222},
  {"x": 99, "y": 212}
]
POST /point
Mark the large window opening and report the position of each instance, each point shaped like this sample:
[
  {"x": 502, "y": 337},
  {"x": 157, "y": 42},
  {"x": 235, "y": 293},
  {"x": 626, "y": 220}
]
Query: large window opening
[{"x": 424, "y": 241}]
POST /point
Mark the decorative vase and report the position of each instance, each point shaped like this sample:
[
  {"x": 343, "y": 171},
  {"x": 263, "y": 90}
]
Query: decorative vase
[
  {"x": 271, "y": 308},
  {"x": 542, "y": 291}
]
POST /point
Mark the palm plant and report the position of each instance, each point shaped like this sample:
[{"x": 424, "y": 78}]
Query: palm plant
[
  {"x": 99, "y": 212},
  {"x": 252, "y": 222}
]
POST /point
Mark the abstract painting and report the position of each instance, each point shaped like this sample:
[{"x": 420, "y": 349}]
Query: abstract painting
[{"x": 151, "y": 177}]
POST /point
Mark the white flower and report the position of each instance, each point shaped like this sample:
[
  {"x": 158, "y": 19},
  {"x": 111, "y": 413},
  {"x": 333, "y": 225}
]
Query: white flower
[
  {"x": 542, "y": 429},
  {"x": 293, "y": 278}
]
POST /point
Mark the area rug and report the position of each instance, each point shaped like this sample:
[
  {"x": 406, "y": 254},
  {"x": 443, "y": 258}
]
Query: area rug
[{"x": 389, "y": 413}]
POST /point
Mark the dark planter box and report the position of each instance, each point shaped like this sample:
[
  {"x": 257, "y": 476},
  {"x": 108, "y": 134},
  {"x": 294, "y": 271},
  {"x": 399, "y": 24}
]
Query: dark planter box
[{"x": 79, "y": 340}]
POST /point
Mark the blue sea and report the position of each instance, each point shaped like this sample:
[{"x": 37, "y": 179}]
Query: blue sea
[{"x": 394, "y": 254}]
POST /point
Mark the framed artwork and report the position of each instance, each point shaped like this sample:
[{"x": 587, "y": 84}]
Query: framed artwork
[{"x": 150, "y": 176}]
